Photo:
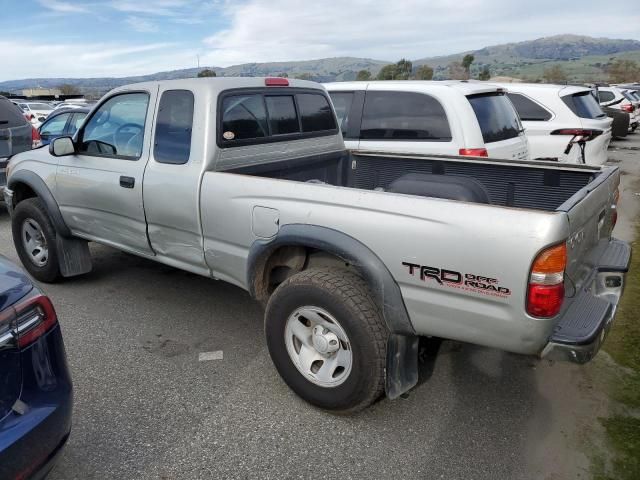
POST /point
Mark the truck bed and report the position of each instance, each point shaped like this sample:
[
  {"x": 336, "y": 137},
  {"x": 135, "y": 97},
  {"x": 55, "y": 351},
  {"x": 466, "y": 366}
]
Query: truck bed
[{"x": 530, "y": 185}]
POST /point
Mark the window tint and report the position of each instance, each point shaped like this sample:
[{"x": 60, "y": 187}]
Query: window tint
[
  {"x": 403, "y": 116},
  {"x": 117, "y": 127},
  {"x": 605, "y": 96},
  {"x": 584, "y": 105},
  {"x": 55, "y": 126},
  {"x": 528, "y": 109},
  {"x": 496, "y": 116},
  {"x": 315, "y": 113},
  {"x": 10, "y": 115},
  {"x": 282, "y": 115},
  {"x": 342, "y": 104},
  {"x": 173, "y": 127},
  {"x": 243, "y": 117}
]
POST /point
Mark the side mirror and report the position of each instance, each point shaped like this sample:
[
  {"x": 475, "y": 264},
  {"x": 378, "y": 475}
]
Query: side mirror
[{"x": 61, "y": 147}]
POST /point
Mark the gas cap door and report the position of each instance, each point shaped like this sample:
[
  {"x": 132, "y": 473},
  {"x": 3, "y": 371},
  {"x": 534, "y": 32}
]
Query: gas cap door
[{"x": 265, "y": 221}]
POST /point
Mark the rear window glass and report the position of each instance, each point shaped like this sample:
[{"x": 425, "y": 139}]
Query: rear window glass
[
  {"x": 496, "y": 116},
  {"x": 272, "y": 116},
  {"x": 10, "y": 115},
  {"x": 244, "y": 117},
  {"x": 584, "y": 105},
  {"x": 315, "y": 113},
  {"x": 173, "y": 127},
  {"x": 605, "y": 96},
  {"x": 282, "y": 114},
  {"x": 39, "y": 106},
  {"x": 403, "y": 116},
  {"x": 528, "y": 109},
  {"x": 342, "y": 104}
]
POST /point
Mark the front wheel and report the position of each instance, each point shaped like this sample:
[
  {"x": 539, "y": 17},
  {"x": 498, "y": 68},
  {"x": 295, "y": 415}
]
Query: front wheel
[
  {"x": 327, "y": 339},
  {"x": 34, "y": 237}
]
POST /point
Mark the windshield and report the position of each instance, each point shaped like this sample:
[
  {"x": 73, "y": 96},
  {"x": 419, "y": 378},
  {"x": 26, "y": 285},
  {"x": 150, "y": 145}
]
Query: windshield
[
  {"x": 496, "y": 115},
  {"x": 584, "y": 105},
  {"x": 39, "y": 106}
]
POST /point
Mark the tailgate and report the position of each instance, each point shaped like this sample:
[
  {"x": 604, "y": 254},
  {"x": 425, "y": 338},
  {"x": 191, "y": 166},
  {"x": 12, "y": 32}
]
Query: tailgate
[{"x": 591, "y": 214}]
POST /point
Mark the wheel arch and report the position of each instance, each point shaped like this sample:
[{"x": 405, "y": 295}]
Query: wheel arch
[
  {"x": 299, "y": 239},
  {"x": 26, "y": 184}
]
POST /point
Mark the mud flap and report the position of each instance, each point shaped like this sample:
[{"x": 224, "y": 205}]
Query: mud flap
[
  {"x": 402, "y": 364},
  {"x": 73, "y": 255}
]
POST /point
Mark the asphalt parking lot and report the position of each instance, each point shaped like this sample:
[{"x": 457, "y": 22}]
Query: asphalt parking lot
[{"x": 148, "y": 407}]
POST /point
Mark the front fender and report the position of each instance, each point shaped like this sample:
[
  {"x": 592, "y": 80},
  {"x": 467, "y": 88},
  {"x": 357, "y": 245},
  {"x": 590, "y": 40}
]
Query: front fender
[{"x": 35, "y": 183}]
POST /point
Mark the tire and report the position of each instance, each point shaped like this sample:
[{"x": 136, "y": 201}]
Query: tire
[
  {"x": 344, "y": 298},
  {"x": 31, "y": 215}
]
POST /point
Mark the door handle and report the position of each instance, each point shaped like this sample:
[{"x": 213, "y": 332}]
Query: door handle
[{"x": 127, "y": 182}]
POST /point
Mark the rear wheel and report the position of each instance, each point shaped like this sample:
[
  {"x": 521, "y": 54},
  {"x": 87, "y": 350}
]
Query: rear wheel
[
  {"x": 34, "y": 237},
  {"x": 327, "y": 339}
]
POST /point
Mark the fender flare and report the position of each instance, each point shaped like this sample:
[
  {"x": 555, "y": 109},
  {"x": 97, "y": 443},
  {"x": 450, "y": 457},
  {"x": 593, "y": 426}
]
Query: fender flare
[
  {"x": 386, "y": 291},
  {"x": 36, "y": 183}
]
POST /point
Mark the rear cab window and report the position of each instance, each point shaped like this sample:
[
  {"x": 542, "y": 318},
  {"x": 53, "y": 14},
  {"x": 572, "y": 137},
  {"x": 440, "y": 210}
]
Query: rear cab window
[
  {"x": 403, "y": 116},
  {"x": 496, "y": 116},
  {"x": 584, "y": 105},
  {"x": 263, "y": 116},
  {"x": 172, "y": 142}
]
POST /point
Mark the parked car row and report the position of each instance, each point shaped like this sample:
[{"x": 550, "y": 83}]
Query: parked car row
[
  {"x": 508, "y": 121},
  {"x": 624, "y": 100}
]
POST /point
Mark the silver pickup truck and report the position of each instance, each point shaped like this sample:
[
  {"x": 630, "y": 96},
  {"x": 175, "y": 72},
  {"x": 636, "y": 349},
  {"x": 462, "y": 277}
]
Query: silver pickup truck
[{"x": 354, "y": 255}]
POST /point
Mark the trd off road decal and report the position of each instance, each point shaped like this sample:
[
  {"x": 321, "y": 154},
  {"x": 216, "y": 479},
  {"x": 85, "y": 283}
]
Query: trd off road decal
[{"x": 463, "y": 281}]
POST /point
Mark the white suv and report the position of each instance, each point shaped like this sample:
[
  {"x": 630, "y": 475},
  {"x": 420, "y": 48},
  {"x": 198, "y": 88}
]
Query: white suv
[
  {"x": 450, "y": 117},
  {"x": 621, "y": 99},
  {"x": 560, "y": 121}
]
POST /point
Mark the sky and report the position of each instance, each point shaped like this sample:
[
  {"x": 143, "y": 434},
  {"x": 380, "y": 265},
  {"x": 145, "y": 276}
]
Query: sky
[{"x": 94, "y": 38}]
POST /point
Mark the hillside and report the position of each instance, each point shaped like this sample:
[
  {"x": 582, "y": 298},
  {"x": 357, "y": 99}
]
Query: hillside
[{"x": 584, "y": 58}]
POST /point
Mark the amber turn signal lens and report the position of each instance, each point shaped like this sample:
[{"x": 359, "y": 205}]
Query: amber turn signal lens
[{"x": 551, "y": 260}]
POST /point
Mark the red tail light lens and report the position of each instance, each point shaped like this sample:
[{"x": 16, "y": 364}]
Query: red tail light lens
[
  {"x": 473, "y": 152},
  {"x": 627, "y": 108},
  {"x": 545, "y": 300},
  {"x": 546, "y": 282},
  {"x": 35, "y": 317},
  {"x": 588, "y": 134},
  {"x": 276, "y": 82}
]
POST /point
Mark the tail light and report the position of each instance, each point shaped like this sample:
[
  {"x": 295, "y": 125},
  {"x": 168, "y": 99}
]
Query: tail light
[
  {"x": 473, "y": 152},
  {"x": 627, "y": 108},
  {"x": 35, "y": 316},
  {"x": 35, "y": 137},
  {"x": 276, "y": 82},
  {"x": 29, "y": 116},
  {"x": 585, "y": 134},
  {"x": 546, "y": 282}
]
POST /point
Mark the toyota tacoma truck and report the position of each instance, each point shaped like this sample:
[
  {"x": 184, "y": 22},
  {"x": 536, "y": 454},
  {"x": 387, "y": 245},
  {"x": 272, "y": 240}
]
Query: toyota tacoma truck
[{"x": 355, "y": 255}]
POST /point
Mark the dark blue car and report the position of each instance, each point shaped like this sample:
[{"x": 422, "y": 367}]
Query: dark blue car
[{"x": 35, "y": 386}]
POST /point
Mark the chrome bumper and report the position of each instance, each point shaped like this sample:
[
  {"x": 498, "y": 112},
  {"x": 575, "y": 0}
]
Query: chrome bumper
[{"x": 583, "y": 328}]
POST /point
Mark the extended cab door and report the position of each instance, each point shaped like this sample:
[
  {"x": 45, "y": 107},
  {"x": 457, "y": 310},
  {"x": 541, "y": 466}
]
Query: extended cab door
[{"x": 99, "y": 189}]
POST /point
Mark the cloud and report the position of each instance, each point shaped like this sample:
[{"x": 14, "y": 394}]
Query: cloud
[
  {"x": 90, "y": 60},
  {"x": 62, "y": 7},
  {"x": 141, "y": 25},
  {"x": 275, "y": 30},
  {"x": 157, "y": 7}
]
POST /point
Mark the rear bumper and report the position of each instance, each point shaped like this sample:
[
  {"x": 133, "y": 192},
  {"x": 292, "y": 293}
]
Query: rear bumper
[{"x": 583, "y": 328}]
